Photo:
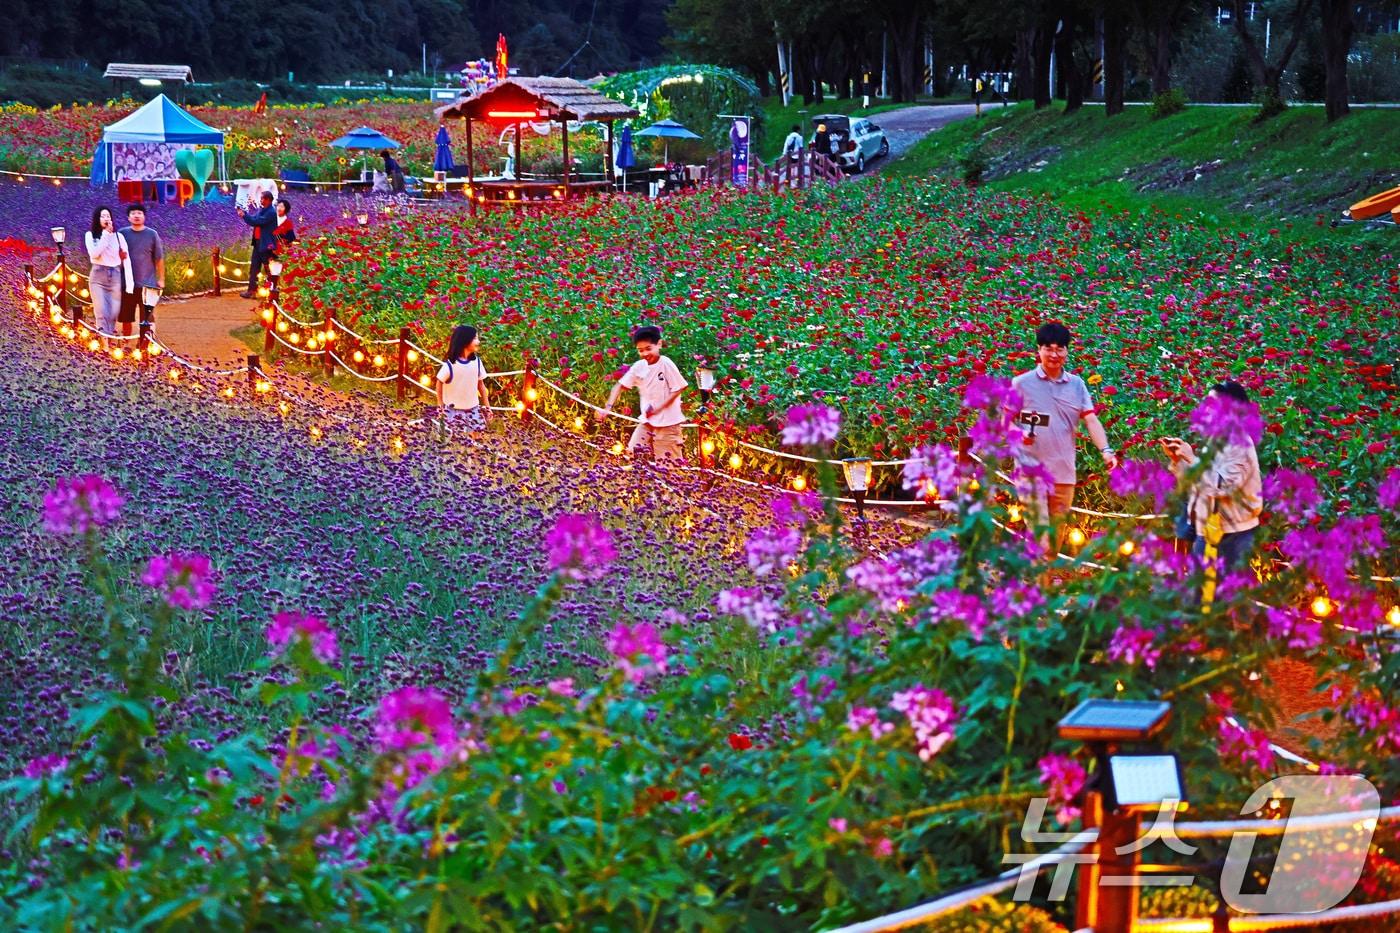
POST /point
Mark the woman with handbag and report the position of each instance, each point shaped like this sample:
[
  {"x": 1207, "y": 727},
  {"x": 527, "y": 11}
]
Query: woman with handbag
[{"x": 283, "y": 236}]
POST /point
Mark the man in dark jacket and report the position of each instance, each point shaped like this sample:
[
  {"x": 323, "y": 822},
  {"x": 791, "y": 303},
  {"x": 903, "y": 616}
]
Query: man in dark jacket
[{"x": 264, "y": 224}]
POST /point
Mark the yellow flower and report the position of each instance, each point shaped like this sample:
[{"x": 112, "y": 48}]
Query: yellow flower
[{"x": 1095, "y": 379}]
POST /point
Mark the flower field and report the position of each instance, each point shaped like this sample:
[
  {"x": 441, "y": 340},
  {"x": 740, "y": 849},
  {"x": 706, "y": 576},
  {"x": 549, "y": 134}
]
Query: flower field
[
  {"x": 278, "y": 660},
  {"x": 882, "y": 300}
]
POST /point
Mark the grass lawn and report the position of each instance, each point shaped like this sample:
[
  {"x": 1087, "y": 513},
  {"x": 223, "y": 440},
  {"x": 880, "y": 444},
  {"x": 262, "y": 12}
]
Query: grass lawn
[{"x": 1213, "y": 162}]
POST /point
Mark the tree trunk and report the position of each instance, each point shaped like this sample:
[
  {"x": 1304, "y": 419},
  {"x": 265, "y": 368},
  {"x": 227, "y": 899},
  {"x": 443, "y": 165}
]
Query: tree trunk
[
  {"x": 1114, "y": 66},
  {"x": 1040, "y": 79},
  {"x": 1266, "y": 76},
  {"x": 1068, "y": 65},
  {"x": 1338, "y": 22},
  {"x": 1162, "y": 55},
  {"x": 1025, "y": 64}
]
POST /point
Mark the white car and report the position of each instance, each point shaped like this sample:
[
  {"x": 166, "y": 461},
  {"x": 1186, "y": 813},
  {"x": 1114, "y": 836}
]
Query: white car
[{"x": 856, "y": 140}]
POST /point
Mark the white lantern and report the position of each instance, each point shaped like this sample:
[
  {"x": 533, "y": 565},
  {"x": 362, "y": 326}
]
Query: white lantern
[
  {"x": 857, "y": 472},
  {"x": 59, "y": 234}
]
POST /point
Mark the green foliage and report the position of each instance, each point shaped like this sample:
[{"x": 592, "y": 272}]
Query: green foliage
[
  {"x": 692, "y": 95},
  {"x": 1170, "y": 101},
  {"x": 1271, "y": 104},
  {"x": 42, "y": 86},
  {"x": 973, "y": 164}
]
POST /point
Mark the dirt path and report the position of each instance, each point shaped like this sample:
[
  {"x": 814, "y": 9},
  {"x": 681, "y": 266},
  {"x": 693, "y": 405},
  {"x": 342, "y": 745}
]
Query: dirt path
[{"x": 202, "y": 328}]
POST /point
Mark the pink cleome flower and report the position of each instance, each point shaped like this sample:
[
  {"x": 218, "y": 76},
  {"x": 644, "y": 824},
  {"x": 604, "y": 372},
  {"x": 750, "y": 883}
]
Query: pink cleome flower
[
  {"x": 79, "y": 504},
  {"x": 45, "y": 766},
  {"x": 1063, "y": 778},
  {"x": 413, "y": 716},
  {"x": 579, "y": 547},
  {"x": 811, "y": 425},
  {"x": 931, "y": 713},
  {"x": 289, "y": 626},
  {"x": 1228, "y": 421},
  {"x": 638, "y": 650},
  {"x": 185, "y": 580}
]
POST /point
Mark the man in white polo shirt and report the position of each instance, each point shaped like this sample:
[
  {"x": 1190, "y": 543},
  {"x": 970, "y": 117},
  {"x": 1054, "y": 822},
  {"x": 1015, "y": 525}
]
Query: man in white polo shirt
[{"x": 1059, "y": 401}]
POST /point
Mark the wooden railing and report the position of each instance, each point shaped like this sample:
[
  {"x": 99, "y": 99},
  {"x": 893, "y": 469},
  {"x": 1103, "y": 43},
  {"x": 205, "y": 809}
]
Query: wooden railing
[{"x": 793, "y": 172}]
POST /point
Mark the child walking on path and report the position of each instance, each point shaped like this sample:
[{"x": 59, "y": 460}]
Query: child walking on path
[{"x": 659, "y": 383}]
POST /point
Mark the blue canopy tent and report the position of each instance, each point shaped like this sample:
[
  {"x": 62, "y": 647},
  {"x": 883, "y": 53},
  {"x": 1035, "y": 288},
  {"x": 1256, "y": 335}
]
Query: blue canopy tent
[
  {"x": 365, "y": 138},
  {"x": 668, "y": 130},
  {"x": 162, "y": 121}
]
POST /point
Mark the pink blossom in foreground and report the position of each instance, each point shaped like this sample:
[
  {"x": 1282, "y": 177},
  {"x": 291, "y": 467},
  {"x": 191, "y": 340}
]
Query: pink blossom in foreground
[
  {"x": 1293, "y": 628},
  {"x": 933, "y": 466},
  {"x": 638, "y": 650},
  {"x": 868, "y": 717},
  {"x": 1292, "y": 494},
  {"x": 289, "y": 626},
  {"x": 579, "y": 547},
  {"x": 931, "y": 713},
  {"x": 772, "y": 547},
  {"x": 752, "y": 605},
  {"x": 811, "y": 425},
  {"x": 1063, "y": 778},
  {"x": 413, "y": 716},
  {"x": 1151, "y": 481},
  {"x": 79, "y": 504},
  {"x": 1227, "y": 421},
  {"x": 184, "y": 580},
  {"x": 1388, "y": 492},
  {"x": 885, "y": 580},
  {"x": 45, "y": 766}
]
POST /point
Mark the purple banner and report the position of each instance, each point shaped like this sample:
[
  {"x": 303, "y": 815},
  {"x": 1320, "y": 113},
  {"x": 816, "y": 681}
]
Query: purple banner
[{"x": 739, "y": 150}]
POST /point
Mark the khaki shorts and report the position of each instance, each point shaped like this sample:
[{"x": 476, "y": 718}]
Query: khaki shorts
[{"x": 665, "y": 443}]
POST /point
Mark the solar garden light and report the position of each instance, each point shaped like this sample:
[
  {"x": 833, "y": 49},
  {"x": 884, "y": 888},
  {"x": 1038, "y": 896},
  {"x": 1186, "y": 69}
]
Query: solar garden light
[
  {"x": 1123, "y": 786},
  {"x": 705, "y": 379},
  {"x": 857, "y": 473},
  {"x": 362, "y": 218}
]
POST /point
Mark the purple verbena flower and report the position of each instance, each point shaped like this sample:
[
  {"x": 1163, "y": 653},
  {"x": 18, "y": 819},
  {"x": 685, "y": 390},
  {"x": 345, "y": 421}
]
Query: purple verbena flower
[
  {"x": 772, "y": 547},
  {"x": 413, "y": 716}
]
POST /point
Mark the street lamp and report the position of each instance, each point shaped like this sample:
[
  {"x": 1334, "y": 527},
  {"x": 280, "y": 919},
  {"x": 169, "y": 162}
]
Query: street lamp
[
  {"x": 60, "y": 236},
  {"x": 857, "y": 473},
  {"x": 1123, "y": 786}
]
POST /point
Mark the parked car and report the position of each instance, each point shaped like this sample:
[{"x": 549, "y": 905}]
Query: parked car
[{"x": 856, "y": 140}]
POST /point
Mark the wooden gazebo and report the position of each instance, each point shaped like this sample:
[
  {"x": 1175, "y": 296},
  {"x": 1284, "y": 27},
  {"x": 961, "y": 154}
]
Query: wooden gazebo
[{"x": 533, "y": 100}]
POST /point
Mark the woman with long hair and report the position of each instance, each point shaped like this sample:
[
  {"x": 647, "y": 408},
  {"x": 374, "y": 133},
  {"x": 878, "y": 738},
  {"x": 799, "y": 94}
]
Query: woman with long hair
[
  {"x": 461, "y": 382},
  {"x": 111, "y": 270}
]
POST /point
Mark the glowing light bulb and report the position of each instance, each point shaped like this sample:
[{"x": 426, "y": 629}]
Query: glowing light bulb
[
  {"x": 174, "y": 375},
  {"x": 1077, "y": 537},
  {"x": 1013, "y": 513},
  {"x": 283, "y": 407},
  {"x": 267, "y": 314},
  {"x": 295, "y": 338},
  {"x": 315, "y": 433},
  {"x": 189, "y": 273},
  {"x": 93, "y": 344},
  {"x": 707, "y": 447},
  {"x": 1127, "y": 548},
  {"x": 531, "y": 394},
  {"x": 153, "y": 349},
  {"x": 378, "y": 360},
  {"x": 136, "y": 355},
  {"x": 735, "y": 461},
  {"x": 281, "y": 327},
  {"x": 799, "y": 483},
  {"x": 222, "y": 268},
  {"x": 1393, "y": 616},
  {"x": 425, "y": 380},
  {"x": 617, "y": 449},
  {"x": 329, "y": 335},
  {"x": 519, "y": 407},
  {"x": 578, "y": 424},
  {"x": 85, "y": 293},
  {"x": 412, "y": 356},
  {"x": 1322, "y": 607},
  {"x": 358, "y": 356},
  {"x": 262, "y": 386},
  {"x": 973, "y": 485},
  {"x": 397, "y": 443},
  {"x": 227, "y": 392},
  {"x": 118, "y": 353}
]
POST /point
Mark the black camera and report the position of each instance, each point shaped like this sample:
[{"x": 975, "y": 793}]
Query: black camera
[{"x": 1033, "y": 419}]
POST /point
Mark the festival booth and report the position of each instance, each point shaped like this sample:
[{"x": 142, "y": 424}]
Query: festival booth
[
  {"x": 516, "y": 102},
  {"x": 154, "y": 149}
]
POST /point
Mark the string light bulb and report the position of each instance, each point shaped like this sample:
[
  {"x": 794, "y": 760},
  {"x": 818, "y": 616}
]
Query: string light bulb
[
  {"x": 93, "y": 344},
  {"x": 189, "y": 273},
  {"x": 578, "y": 424},
  {"x": 118, "y": 353},
  {"x": 397, "y": 443},
  {"x": 174, "y": 375},
  {"x": 1322, "y": 607},
  {"x": 532, "y": 394},
  {"x": 617, "y": 449},
  {"x": 262, "y": 386},
  {"x": 282, "y": 327},
  {"x": 1013, "y": 513},
  {"x": 1127, "y": 548},
  {"x": 425, "y": 380},
  {"x": 153, "y": 349},
  {"x": 412, "y": 356},
  {"x": 378, "y": 360},
  {"x": 136, "y": 354},
  {"x": 358, "y": 356},
  {"x": 283, "y": 407},
  {"x": 227, "y": 392},
  {"x": 1077, "y": 537},
  {"x": 799, "y": 483},
  {"x": 315, "y": 433},
  {"x": 735, "y": 461},
  {"x": 707, "y": 447},
  {"x": 1393, "y": 616},
  {"x": 267, "y": 314}
]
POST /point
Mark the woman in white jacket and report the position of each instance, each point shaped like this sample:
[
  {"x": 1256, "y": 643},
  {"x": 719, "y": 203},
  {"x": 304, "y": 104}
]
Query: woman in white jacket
[{"x": 111, "y": 270}]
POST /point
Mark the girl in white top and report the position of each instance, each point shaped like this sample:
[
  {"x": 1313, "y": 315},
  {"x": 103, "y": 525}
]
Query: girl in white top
[
  {"x": 111, "y": 269},
  {"x": 461, "y": 382}
]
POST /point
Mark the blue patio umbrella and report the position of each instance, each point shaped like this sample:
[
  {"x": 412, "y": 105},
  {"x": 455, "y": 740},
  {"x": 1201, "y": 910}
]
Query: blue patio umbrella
[
  {"x": 668, "y": 130},
  {"x": 625, "y": 157},
  {"x": 442, "y": 158},
  {"x": 366, "y": 138}
]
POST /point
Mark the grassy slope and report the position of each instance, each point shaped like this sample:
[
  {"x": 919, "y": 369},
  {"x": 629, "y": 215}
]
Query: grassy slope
[{"x": 1294, "y": 167}]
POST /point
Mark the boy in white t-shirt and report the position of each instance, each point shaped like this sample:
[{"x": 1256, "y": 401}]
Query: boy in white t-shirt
[{"x": 659, "y": 383}]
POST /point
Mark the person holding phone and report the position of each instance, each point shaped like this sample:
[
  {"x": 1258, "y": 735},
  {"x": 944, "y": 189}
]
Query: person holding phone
[
  {"x": 1056, "y": 403},
  {"x": 1230, "y": 486},
  {"x": 111, "y": 271}
]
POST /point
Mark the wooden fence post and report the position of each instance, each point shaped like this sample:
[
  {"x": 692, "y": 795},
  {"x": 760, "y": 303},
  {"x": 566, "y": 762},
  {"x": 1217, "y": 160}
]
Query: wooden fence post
[
  {"x": 217, "y": 285},
  {"x": 254, "y": 369},
  {"x": 528, "y": 393},
  {"x": 401, "y": 382},
  {"x": 328, "y": 337},
  {"x": 964, "y": 450}
]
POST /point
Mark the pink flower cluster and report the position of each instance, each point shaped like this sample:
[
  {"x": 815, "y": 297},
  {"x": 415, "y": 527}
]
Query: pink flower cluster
[
  {"x": 579, "y": 547},
  {"x": 184, "y": 580},
  {"x": 932, "y": 467},
  {"x": 811, "y": 425},
  {"x": 45, "y": 766},
  {"x": 1296, "y": 629},
  {"x": 1063, "y": 778},
  {"x": 1293, "y": 494},
  {"x": 1228, "y": 421},
  {"x": 931, "y": 713},
  {"x": 286, "y": 627},
  {"x": 638, "y": 650},
  {"x": 752, "y": 605},
  {"x": 1144, "y": 478},
  {"x": 79, "y": 504},
  {"x": 411, "y": 717},
  {"x": 868, "y": 717},
  {"x": 772, "y": 547},
  {"x": 1132, "y": 645},
  {"x": 885, "y": 580}
]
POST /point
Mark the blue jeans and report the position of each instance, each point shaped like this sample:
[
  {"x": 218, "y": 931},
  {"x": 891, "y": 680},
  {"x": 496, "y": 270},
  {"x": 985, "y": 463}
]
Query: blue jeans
[{"x": 1233, "y": 550}]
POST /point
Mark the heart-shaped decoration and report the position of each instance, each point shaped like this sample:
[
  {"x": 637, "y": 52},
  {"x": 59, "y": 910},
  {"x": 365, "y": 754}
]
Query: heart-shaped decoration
[{"x": 197, "y": 165}]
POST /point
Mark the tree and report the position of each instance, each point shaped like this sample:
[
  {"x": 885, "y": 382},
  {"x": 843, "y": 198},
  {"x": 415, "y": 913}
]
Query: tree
[
  {"x": 1338, "y": 25},
  {"x": 1267, "y": 76},
  {"x": 1115, "y": 39}
]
